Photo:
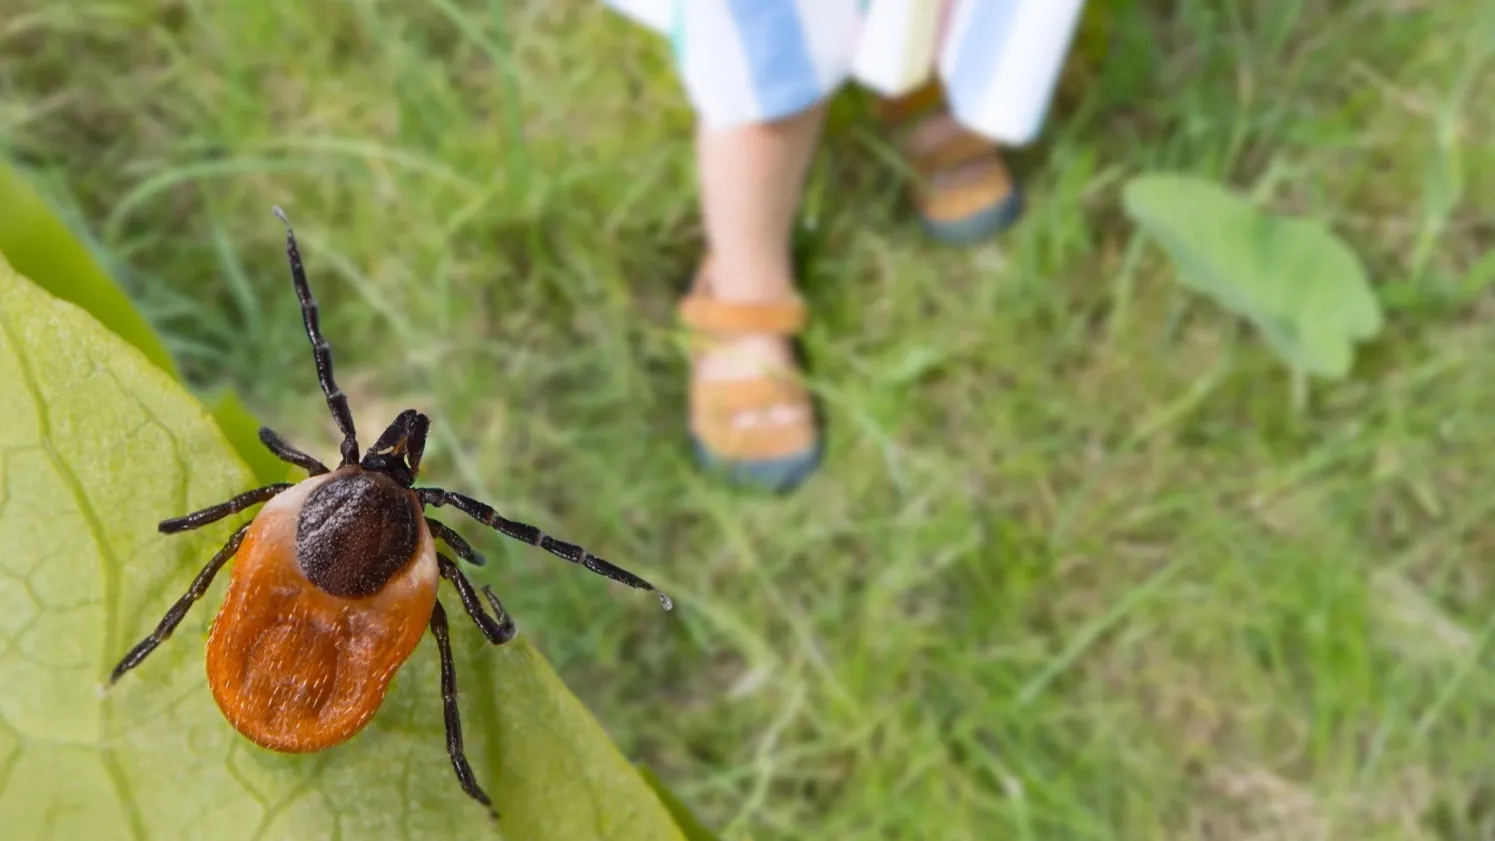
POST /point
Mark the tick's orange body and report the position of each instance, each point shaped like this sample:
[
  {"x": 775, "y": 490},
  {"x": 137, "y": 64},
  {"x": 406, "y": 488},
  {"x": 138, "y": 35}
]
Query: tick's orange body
[
  {"x": 298, "y": 670},
  {"x": 334, "y": 582}
]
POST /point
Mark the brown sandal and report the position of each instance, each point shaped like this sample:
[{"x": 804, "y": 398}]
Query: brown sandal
[
  {"x": 965, "y": 193},
  {"x": 775, "y": 456}
]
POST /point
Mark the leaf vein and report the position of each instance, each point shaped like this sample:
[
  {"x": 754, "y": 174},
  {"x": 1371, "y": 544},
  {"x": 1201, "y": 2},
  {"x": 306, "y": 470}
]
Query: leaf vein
[{"x": 65, "y": 472}]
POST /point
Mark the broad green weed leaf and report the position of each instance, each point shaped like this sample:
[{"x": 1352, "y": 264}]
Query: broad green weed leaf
[
  {"x": 1303, "y": 288},
  {"x": 98, "y": 446},
  {"x": 40, "y": 247}
]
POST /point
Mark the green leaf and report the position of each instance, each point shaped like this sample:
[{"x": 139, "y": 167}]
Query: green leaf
[
  {"x": 559, "y": 776},
  {"x": 242, "y": 429},
  {"x": 40, "y": 247},
  {"x": 1302, "y": 287},
  {"x": 99, "y": 445},
  {"x": 684, "y": 818}
]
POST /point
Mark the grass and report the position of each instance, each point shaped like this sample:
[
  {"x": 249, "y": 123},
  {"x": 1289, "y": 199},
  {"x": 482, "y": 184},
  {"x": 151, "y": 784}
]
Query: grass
[{"x": 1069, "y": 573}]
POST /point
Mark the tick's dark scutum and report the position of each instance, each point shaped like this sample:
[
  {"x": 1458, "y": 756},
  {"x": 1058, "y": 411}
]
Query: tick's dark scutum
[{"x": 356, "y": 532}]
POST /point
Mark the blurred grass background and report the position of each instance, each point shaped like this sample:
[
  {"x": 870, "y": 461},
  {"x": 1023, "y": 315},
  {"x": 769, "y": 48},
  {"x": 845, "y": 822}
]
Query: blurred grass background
[{"x": 1074, "y": 569}]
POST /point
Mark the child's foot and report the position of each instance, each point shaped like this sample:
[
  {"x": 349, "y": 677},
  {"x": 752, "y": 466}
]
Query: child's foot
[
  {"x": 751, "y": 417},
  {"x": 964, "y": 193}
]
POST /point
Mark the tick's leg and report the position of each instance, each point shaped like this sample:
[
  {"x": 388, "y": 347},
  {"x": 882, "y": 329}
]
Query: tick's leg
[
  {"x": 286, "y": 453},
  {"x": 498, "y": 628},
  {"x": 485, "y": 514},
  {"x": 179, "y": 610},
  {"x": 321, "y": 352},
  {"x": 198, "y": 519},
  {"x": 465, "y": 776},
  {"x": 441, "y": 531}
]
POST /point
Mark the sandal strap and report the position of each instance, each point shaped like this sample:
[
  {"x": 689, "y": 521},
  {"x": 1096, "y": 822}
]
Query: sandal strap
[
  {"x": 731, "y": 397},
  {"x": 710, "y": 315},
  {"x": 960, "y": 192},
  {"x": 960, "y": 148},
  {"x": 716, "y": 404},
  {"x": 910, "y": 115},
  {"x": 899, "y": 112},
  {"x": 758, "y": 442}
]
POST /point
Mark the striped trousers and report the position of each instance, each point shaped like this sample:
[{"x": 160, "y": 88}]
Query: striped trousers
[{"x": 752, "y": 61}]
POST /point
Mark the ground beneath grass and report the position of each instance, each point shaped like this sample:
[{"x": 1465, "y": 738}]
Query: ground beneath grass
[{"x": 1075, "y": 569}]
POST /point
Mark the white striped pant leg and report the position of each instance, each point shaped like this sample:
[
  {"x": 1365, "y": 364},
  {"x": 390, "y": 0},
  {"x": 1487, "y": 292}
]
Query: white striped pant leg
[{"x": 754, "y": 61}]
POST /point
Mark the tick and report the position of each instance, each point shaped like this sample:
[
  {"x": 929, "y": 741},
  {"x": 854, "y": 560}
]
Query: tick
[{"x": 334, "y": 582}]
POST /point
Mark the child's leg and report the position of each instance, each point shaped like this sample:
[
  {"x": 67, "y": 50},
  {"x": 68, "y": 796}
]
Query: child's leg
[
  {"x": 752, "y": 178},
  {"x": 748, "y": 415}
]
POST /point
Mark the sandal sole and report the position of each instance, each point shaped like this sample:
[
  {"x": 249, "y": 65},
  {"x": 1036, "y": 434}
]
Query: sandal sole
[
  {"x": 777, "y": 475},
  {"x": 979, "y": 226}
]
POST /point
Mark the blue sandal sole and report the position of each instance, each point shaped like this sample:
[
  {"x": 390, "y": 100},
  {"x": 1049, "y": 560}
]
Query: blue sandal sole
[
  {"x": 979, "y": 226},
  {"x": 772, "y": 475}
]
